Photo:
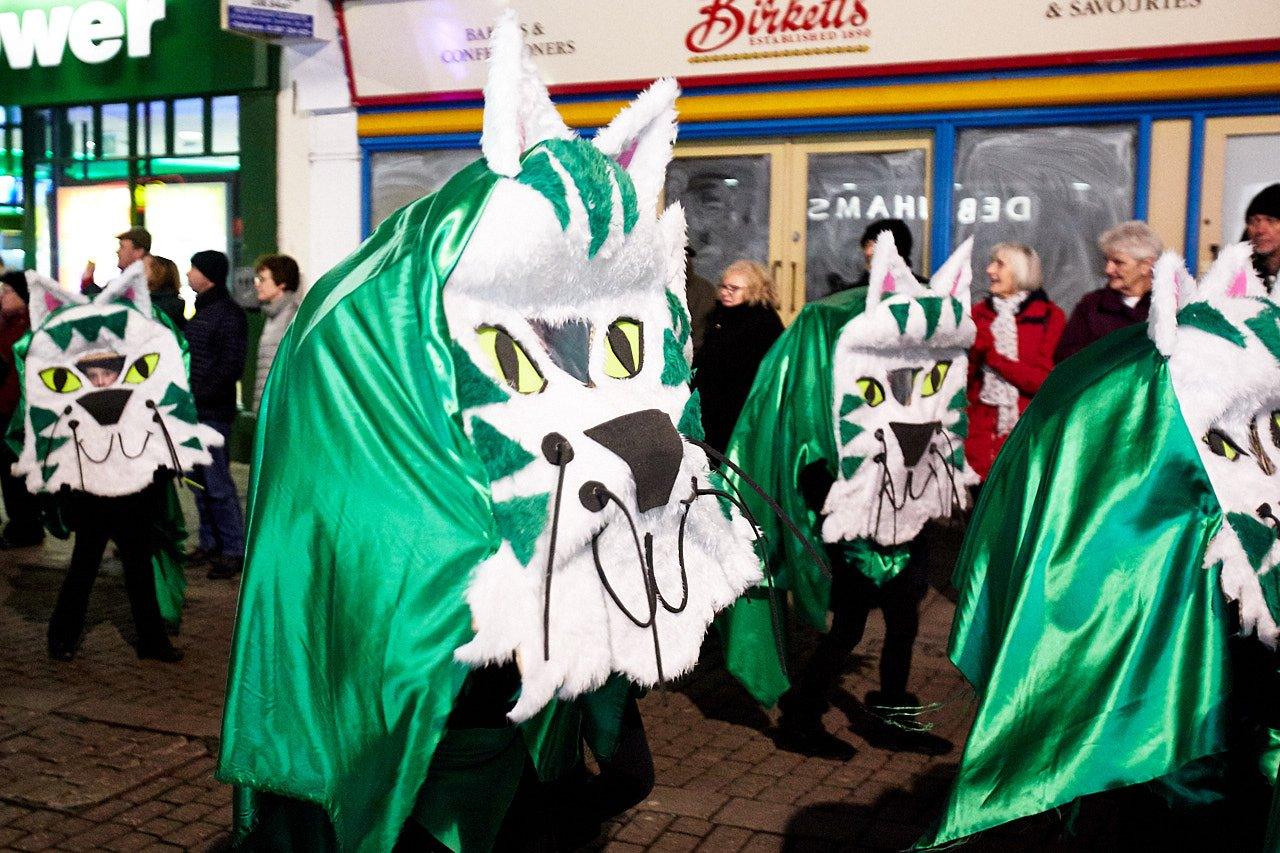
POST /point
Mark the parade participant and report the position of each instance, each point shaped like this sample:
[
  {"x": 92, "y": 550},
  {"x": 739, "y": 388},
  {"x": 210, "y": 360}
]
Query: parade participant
[
  {"x": 1128, "y": 523},
  {"x": 856, "y": 427},
  {"x": 471, "y": 509},
  {"x": 106, "y": 421},
  {"x": 1262, "y": 230}
]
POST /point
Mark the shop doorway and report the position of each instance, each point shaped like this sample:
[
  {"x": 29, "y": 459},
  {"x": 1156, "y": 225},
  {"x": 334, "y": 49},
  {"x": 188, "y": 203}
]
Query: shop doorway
[
  {"x": 1241, "y": 156},
  {"x": 800, "y": 206}
]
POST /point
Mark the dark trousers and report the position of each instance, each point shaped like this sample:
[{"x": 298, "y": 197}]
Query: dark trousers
[
  {"x": 20, "y": 506},
  {"x": 129, "y": 521},
  {"x": 221, "y": 518},
  {"x": 853, "y": 597}
]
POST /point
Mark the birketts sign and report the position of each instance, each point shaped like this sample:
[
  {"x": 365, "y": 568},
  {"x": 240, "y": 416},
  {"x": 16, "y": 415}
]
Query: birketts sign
[
  {"x": 403, "y": 51},
  {"x": 86, "y": 51}
]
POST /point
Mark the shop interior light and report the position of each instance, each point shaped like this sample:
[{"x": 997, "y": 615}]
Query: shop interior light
[
  {"x": 730, "y": 182},
  {"x": 850, "y": 186},
  {"x": 1080, "y": 186}
]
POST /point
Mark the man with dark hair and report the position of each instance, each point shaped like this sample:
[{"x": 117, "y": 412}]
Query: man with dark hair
[
  {"x": 1262, "y": 229},
  {"x": 218, "y": 337},
  {"x": 902, "y": 239}
]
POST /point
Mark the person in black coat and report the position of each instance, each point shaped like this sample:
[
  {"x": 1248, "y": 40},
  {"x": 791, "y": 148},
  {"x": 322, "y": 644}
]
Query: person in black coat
[
  {"x": 740, "y": 329},
  {"x": 218, "y": 338}
]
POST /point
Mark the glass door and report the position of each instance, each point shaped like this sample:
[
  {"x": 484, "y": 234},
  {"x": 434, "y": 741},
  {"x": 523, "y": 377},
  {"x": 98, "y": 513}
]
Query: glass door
[{"x": 1241, "y": 156}]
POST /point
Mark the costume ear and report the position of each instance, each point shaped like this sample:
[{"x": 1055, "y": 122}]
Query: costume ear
[
  {"x": 955, "y": 277},
  {"x": 1170, "y": 282},
  {"x": 641, "y": 138},
  {"x": 131, "y": 286},
  {"x": 889, "y": 273},
  {"x": 47, "y": 296},
  {"x": 1231, "y": 276},
  {"x": 518, "y": 112}
]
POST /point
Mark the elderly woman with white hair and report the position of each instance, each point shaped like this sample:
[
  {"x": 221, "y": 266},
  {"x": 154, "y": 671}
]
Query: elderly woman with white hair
[
  {"x": 1131, "y": 250},
  {"x": 1018, "y": 330}
]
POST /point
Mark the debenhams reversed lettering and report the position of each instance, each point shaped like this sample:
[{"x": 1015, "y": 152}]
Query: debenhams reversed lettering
[
  {"x": 95, "y": 32},
  {"x": 477, "y": 49}
]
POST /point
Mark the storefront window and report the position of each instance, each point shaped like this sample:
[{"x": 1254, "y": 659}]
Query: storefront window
[
  {"x": 153, "y": 119},
  {"x": 400, "y": 177},
  {"x": 726, "y": 204},
  {"x": 188, "y": 126},
  {"x": 115, "y": 131},
  {"x": 226, "y": 124},
  {"x": 1053, "y": 188},
  {"x": 11, "y": 201}
]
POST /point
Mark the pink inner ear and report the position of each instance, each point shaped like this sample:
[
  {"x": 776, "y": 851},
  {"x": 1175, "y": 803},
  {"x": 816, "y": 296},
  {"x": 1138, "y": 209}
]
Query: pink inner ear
[
  {"x": 50, "y": 302},
  {"x": 624, "y": 156},
  {"x": 1239, "y": 285},
  {"x": 887, "y": 286},
  {"x": 955, "y": 285}
]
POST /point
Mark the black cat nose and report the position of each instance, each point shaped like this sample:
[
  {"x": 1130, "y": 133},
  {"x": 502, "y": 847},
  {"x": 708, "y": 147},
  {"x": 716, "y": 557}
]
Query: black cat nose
[
  {"x": 913, "y": 439},
  {"x": 648, "y": 442},
  {"x": 107, "y": 405}
]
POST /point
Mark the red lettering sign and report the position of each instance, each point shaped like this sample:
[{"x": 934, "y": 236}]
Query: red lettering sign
[{"x": 723, "y": 21}]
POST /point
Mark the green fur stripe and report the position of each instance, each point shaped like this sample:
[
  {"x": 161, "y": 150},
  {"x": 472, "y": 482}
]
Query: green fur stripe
[
  {"x": 959, "y": 402},
  {"x": 1266, "y": 325},
  {"x": 42, "y": 419},
  {"x": 932, "y": 306},
  {"x": 849, "y": 466},
  {"x": 627, "y": 192},
  {"x": 679, "y": 318},
  {"x": 502, "y": 456},
  {"x": 194, "y": 443},
  {"x": 45, "y": 447},
  {"x": 957, "y": 458},
  {"x": 1255, "y": 537},
  {"x": 957, "y": 308},
  {"x": 590, "y": 173},
  {"x": 1206, "y": 318},
  {"x": 850, "y": 402},
  {"x": 961, "y": 427},
  {"x": 675, "y": 370},
  {"x": 726, "y": 505},
  {"x": 901, "y": 311},
  {"x": 691, "y": 418},
  {"x": 184, "y": 407},
  {"x": 521, "y": 521},
  {"x": 537, "y": 173},
  {"x": 90, "y": 327},
  {"x": 475, "y": 388},
  {"x": 47, "y": 472},
  {"x": 849, "y": 431}
]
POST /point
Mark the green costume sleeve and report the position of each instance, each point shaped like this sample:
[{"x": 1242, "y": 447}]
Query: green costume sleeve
[
  {"x": 368, "y": 511},
  {"x": 1086, "y": 622},
  {"x": 784, "y": 426}
]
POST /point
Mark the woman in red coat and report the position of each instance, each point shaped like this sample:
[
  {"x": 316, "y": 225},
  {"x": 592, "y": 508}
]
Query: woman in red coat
[{"x": 1018, "y": 330}]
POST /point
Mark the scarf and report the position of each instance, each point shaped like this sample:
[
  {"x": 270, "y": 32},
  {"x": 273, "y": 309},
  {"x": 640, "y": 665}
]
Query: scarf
[{"x": 996, "y": 390}]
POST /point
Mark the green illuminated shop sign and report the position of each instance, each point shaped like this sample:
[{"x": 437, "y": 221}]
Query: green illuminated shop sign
[{"x": 83, "y": 51}]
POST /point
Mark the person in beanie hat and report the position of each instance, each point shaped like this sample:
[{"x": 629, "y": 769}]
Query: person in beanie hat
[
  {"x": 218, "y": 336},
  {"x": 23, "y": 527},
  {"x": 1262, "y": 230}
]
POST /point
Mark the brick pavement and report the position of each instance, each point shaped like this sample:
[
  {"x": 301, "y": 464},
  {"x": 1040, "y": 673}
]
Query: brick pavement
[{"x": 107, "y": 753}]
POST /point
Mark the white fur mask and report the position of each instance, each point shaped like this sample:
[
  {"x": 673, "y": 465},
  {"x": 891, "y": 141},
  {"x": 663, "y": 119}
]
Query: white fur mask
[
  {"x": 572, "y": 343},
  {"x": 899, "y": 402},
  {"x": 105, "y": 392},
  {"x": 1222, "y": 340}
]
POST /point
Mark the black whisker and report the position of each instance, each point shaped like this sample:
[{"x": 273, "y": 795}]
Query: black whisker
[
  {"x": 75, "y": 439},
  {"x": 646, "y": 572},
  {"x": 561, "y": 463}
]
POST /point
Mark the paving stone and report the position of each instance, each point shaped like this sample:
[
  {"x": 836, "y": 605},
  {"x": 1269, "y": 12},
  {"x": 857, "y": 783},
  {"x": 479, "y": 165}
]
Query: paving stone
[
  {"x": 683, "y": 801},
  {"x": 753, "y": 814},
  {"x": 675, "y": 842},
  {"x": 725, "y": 839}
]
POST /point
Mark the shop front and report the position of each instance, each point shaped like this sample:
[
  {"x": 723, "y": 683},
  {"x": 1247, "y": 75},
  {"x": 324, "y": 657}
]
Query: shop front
[
  {"x": 132, "y": 112},
  {"x": 802, "y": 122}
]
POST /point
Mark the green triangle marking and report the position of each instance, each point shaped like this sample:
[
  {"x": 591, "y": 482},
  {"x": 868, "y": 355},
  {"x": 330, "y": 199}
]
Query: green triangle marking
[
  {"x": 691, "y": 418},
  {"x": 1255, "y": 537},
  {"x": 502, "y": 456},
  {"x": 675, "y": 370},
  {"x": 901, "y": 311},
  {"x": 521, "y": 521},
  {"x": 850, "y": 402},
  {"x": 957, "y": 309},
  {"x": 42, "y": 419},
  {"x": 849, "y": 465},
  {"x": 960, "y": 401},
  {"x": 932, "y": 306},
  {"x": 1266, "y": 325},
  {"x": 184, "y": 407},
  {"x": 90, "y": 328},
  {"x": 475, "y": 388},
  {"x": 1206, "y": 318},
  {"x": 849, "y": 431},
  {"x": 45, "y": 447},
  {"x": 47, "y": 471},
  {"x": 194, "y": 443},
  {"x": 957, "y": 458},
  {"x": 961, "y": 427}
]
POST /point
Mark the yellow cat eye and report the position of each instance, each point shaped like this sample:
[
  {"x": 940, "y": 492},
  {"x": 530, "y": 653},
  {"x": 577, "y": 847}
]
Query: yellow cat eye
[
  {"x": 60, "y": 379},
  {"x": 510, "y": 361},
  {"x": 934, "y": 378},
  {"x": 872, "y": 391},
  {"x": 1222, "y": 446},
  {"x": 141, "y": 370},
  {"x": 623, "y": 349}
]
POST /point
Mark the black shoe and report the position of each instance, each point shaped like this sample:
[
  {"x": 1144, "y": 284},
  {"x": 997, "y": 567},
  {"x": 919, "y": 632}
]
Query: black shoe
[
  {"x": 165, "y": 653},
  {"x": 225, "y": 567},
  {"x": 21, "y": 540},
  {"x": 61, "y": 653},
  {"x": 198, "y": 557},
  {"x": 811, "y": 739}
]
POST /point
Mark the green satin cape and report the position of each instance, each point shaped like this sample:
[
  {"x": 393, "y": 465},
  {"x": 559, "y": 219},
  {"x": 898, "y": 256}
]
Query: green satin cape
[{"x": 1086, "y": 623}]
